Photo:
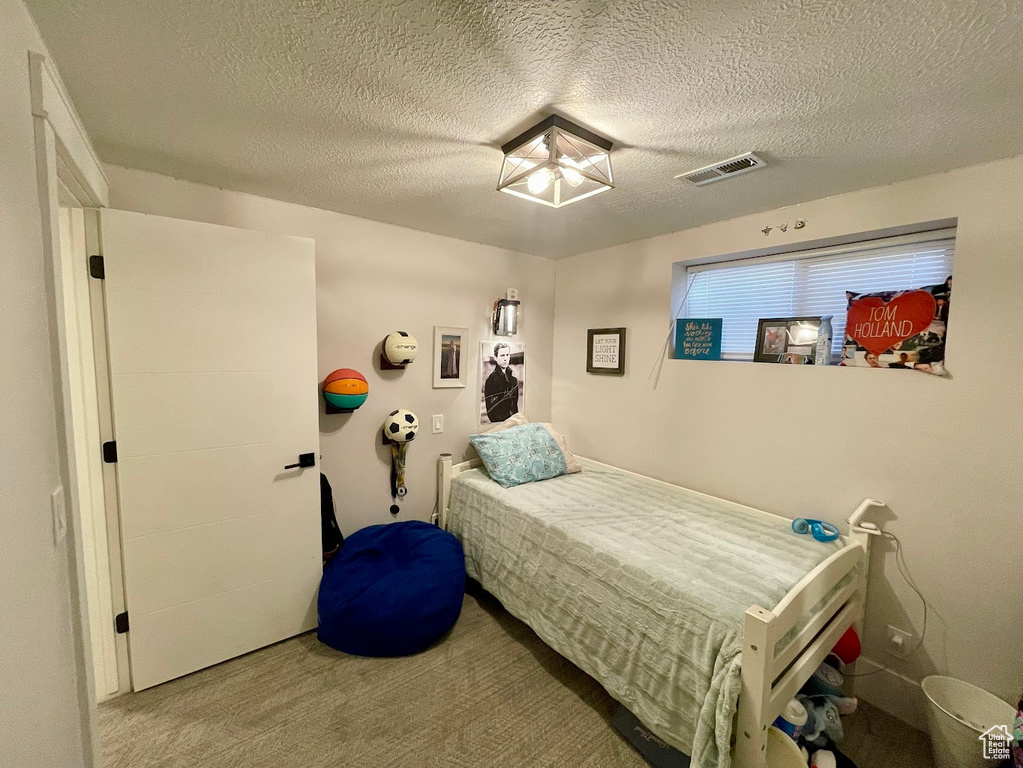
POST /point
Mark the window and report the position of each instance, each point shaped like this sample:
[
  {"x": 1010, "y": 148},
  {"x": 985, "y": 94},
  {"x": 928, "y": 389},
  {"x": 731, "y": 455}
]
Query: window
[{"x": 813, "y": 282}]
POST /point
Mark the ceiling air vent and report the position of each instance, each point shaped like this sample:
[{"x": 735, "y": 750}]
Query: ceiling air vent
[{"x": 734, "y": 166}]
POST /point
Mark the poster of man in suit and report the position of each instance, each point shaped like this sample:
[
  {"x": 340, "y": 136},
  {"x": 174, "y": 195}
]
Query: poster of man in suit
[{"x": 503, "y": 380}]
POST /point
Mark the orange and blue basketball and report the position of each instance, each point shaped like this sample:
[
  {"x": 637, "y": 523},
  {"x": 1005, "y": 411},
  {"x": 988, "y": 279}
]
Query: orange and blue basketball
[{"x": 345, "y": 390}]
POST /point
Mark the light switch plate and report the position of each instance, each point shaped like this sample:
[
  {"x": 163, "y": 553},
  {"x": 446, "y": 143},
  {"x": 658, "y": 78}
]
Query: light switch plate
[
  {"x": 438, "y": 423},
  {"x": 59, "y": 515}
]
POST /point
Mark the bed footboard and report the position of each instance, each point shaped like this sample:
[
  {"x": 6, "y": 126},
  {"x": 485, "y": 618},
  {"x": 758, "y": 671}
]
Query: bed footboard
[{"x": 772, "y": 671}]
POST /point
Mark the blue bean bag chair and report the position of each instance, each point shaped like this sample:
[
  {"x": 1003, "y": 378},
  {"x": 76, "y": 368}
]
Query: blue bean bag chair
[{"x": 392, "y": 590}]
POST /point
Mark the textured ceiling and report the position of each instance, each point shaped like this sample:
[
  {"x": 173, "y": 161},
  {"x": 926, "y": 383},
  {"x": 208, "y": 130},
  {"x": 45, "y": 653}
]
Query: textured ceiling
[{"x": 393, "y": 110}]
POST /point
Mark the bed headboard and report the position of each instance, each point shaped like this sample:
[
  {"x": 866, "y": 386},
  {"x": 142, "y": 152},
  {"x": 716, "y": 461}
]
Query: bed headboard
[{"x": 447, "y": 470}]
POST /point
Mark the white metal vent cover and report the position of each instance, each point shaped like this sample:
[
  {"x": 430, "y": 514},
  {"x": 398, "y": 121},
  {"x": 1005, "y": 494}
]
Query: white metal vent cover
[{"x": 734, "y": 166}]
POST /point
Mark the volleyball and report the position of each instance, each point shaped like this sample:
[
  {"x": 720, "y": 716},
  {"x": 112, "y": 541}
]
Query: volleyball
[{"x": 400, "y": 348}]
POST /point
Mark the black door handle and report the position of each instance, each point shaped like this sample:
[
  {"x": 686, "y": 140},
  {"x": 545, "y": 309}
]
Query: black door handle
[{"x": 304, "y": 460}]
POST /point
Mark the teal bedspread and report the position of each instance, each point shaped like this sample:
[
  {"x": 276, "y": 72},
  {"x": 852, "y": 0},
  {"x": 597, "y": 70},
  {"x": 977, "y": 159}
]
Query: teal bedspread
[{"x": 642, "y": 585}]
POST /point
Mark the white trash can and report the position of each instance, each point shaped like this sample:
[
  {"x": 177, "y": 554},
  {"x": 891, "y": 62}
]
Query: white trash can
[{"x": 958, "y": 713}]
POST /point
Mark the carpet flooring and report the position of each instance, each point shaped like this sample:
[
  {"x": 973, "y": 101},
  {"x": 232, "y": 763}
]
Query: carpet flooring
[{"x": 490, "y": 695}]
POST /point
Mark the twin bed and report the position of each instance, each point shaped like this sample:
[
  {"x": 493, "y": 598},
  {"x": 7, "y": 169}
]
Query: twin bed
[{"x": 701, "y": 616}]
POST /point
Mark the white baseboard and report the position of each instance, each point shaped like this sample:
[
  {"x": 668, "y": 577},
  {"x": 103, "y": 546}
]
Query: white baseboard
[{"x": 888, "y": 690}]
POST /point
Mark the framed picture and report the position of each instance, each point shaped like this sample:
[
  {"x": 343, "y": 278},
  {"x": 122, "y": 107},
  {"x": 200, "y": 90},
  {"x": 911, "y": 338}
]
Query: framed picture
[
  {"x": 449, "y": 363},
  {"x": 605, "y": 351},
  {"x": 502, "y": 380},
  {"x": 791, "y": 340}
]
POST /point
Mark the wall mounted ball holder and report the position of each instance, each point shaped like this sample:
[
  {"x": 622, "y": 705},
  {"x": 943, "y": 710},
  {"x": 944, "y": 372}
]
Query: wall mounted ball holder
[
  {"x": 397, "y": 350},
  {"x": 344, "y": 390},
  {"x": 399, "y": 429}
]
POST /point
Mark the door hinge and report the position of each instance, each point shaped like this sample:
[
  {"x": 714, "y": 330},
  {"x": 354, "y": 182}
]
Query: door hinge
[
  {"x": 96, "y": 267},
  {"x": 110, "y": 452},
  {"x": 121, "y": 623}
]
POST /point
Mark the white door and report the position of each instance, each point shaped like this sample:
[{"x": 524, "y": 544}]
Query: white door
[{"x": 212, "y": 337}]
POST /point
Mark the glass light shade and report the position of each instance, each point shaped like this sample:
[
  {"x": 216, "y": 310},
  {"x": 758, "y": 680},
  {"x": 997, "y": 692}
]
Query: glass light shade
[
  {"x": 556, "y": 163},
  {"x": 506, "y": 317}
]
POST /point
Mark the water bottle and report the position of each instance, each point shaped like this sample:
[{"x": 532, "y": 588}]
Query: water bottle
[{"x": 823, "y": 355}]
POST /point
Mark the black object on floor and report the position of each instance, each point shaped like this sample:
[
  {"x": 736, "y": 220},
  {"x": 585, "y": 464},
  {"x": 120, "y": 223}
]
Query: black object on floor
[
  {"x": 331, "y": 534},
  {"x": 655, "y": 750}
]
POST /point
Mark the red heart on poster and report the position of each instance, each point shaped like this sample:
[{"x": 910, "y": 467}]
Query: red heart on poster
[{"x": 878, "y": 325}]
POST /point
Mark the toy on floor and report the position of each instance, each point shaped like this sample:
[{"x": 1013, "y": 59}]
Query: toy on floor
[
  {"x": 792, "y": 719},
  {"x": 824, "y": 702},
  {"x": 823, "y": 758},
  {"x": 823, "y": 721},
  {"x": 848, "y": 647},
  {"x": 825, "y": 681}
]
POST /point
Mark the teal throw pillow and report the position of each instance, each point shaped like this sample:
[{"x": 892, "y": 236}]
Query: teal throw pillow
[{"x": 524, "y": 454}]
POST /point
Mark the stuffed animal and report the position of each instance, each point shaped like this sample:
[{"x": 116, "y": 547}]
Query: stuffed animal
[{"x": 823, "y": 722}]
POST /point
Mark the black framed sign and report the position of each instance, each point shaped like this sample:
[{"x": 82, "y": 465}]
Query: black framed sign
[{"x": 605, "y": 351}]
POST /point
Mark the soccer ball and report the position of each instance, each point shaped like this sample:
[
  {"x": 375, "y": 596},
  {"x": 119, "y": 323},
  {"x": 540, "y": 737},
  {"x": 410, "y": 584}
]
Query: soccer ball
[
  {"x": 401, "y": 426},
  {"x": 400, "y": 348}
]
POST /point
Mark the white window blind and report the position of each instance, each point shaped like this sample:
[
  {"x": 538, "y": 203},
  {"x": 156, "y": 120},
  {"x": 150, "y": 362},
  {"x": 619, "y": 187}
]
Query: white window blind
[{"x": 810, "y": 283}]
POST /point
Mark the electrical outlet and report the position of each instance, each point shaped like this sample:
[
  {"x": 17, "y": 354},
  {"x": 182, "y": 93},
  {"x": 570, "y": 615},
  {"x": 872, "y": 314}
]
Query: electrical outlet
[
  {"x": 59, "y": 515},
  {"x": 438, "y": 423},
  {"x": 899, "y": 642}
]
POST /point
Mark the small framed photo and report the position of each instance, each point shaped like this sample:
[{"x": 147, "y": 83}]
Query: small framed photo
[
  {"x": 605, "y": 351},
  {"x": 449, "y": 362},
  {"x": 791, "y": 340}
]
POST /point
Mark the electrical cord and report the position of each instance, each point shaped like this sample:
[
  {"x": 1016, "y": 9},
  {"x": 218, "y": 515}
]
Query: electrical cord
[
  {"x": 671, "y": 326},
  {"x": 900, "y": 561}
]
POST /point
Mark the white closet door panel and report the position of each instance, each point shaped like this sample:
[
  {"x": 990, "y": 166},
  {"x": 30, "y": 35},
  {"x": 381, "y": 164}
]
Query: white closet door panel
[
  {"x": 196, "y": 487},
  {"x": 290, "y": 314},
  {"x": 187, "y": 637},
  {"x": 189, "y": 564},
  {"x": 214, "y": 384},
  {"x": 178, "y": 332},
  {"x": 175, "y": 255},
  {"x": 190, "y": 411}
]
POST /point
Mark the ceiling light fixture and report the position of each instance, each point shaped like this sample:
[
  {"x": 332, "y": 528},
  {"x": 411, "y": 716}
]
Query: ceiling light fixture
[{"x": 556, "y": 163}]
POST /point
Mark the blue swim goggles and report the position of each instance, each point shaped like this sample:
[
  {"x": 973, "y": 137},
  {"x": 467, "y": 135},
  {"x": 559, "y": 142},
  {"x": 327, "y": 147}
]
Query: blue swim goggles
[{"x": 821, "y": 531}]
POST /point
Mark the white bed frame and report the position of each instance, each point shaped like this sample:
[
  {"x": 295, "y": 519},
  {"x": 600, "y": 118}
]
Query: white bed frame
[{"x": 770, "y": 678}]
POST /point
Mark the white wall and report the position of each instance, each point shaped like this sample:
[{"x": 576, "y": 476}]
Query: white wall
[
  {"x": 374, "y": 278},
  {"x": 39, "y": 706},
  {"x": 946, "y": 454}
]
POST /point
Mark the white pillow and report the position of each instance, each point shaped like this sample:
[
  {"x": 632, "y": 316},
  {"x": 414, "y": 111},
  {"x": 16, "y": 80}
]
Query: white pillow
[{"x": 515, "y": 420}]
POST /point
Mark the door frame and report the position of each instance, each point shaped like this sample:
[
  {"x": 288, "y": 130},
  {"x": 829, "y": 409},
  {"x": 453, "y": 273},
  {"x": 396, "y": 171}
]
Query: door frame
[
  {"x": 92, "y": 425},
  {"x": 67, "y": 168}
]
